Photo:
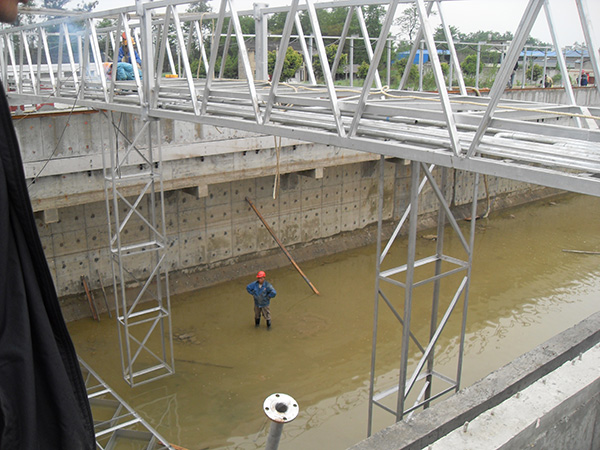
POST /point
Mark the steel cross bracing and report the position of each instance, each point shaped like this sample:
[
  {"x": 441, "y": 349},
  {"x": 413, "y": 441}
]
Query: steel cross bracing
[
  {"x": 422, "y": 382},
  {"x": 486, "y": 135},
  {"x": 138, "y": 239},
  {"x": 116, "y": 424}
]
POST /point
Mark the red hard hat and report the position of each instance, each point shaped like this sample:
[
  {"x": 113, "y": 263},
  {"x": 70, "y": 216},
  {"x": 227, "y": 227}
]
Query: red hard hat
[
  {"x": 124, "y": 35},
  {"x": 261, "y": 274}
]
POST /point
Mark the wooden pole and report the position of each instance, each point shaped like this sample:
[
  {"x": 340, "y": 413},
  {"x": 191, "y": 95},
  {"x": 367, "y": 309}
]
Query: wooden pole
[
  {"x": 104, "y": 293},
  {"x": 90, "y": 298},
  {"x": 270, "y": 230}
]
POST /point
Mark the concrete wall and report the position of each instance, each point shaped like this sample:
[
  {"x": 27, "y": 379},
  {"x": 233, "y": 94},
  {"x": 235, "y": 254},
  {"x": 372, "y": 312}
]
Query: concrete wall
[
  {"x": 556, "y": 95},
  {"x": 324, "y": 192},
  {"x": 548, "y": 398}
]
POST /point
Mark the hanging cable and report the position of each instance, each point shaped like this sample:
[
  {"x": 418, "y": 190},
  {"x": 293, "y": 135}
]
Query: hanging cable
[
  {"x": 59, "y": 139},
  {"x": 277, "y": 173}
]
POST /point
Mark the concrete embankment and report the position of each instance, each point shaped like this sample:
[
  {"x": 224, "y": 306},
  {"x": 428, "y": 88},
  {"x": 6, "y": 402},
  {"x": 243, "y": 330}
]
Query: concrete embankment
[
  {"x": 325, "y": 196},
  {"x": 548, "y": 398}
]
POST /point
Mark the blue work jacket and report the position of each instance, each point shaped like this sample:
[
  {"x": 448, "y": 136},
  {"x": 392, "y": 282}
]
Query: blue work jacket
[
  {"x": 127, "y": 58},
  {"x": 262, "y": 294}
]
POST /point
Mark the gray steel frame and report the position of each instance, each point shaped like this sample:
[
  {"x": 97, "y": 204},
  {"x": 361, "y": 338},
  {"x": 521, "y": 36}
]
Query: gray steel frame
[
  {"x": 393, "y": 123},
  {"x": 488, "y": 136},
  {"x": 115, "y": 422},
  {"x": 445, "y": 267},
  {"x": 485, "y": 135},
  {"x": 143, "y": 307}
]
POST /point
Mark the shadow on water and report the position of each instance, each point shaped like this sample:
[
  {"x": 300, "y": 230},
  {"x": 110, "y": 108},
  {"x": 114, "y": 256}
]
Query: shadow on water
[{"x": 525, "y": 289}]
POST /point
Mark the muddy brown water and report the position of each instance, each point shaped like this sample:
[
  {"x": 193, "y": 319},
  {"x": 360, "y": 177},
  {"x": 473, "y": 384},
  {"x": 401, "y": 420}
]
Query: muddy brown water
[{"x": 524, "y": 290}]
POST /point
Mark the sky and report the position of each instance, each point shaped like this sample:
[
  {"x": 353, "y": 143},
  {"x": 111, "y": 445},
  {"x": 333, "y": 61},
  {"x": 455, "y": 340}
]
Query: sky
[{"x": 474, "y": 15}]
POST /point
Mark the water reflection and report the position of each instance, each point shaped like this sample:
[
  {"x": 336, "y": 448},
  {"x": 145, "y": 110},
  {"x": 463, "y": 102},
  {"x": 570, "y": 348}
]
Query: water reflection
[{"x": 525, "y": 289}]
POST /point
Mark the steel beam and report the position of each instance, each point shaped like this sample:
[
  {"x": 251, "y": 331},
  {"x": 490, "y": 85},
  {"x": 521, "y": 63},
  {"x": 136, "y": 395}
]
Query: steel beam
[
  {"x": 373, "y": 73},
  {"x": 531, "y": 13},
  {"x": 413, "y": 52},
  {"x": 433, "y": 383},
  {"x": 587, "y": 26},
  {"x": 116, "y": 424},
  {"x": 335, "y": 109},
  {"x": 142, "y": 306},
  {"x": 453, "y": 53},
  {"x": 262, "y": 44}
]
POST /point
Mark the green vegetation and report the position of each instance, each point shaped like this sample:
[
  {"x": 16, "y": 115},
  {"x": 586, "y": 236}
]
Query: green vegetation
[
  {"x": 331, "y": 22},
  {"x": 331, "y": 51},
  {"x": 534, "y": 73},
  {"x": 362, "y": 70},
  {"x": 399, "y": 67},
  {"x": 469, "y": 65},
  {"x": 557, "y": 78},
  {"x": 293, "y": 61}
]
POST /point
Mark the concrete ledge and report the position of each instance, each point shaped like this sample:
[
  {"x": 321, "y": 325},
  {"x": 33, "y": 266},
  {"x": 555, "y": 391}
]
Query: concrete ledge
[
  {"x": 557, "y": 412},
  {"x": 430, "y": 425}
]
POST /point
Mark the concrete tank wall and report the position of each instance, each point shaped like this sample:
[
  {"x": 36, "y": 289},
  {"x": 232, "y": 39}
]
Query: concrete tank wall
[
  {"x": 548, "y": 398},
  {"x": 556, "y": 95},
  {"x": 324, "y": 193}
]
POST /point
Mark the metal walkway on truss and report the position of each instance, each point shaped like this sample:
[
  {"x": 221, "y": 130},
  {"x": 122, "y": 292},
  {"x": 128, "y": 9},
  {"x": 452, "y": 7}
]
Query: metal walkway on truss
[
  {"x": 546, "y": 144},
  {"x": 480, "y": 134}
]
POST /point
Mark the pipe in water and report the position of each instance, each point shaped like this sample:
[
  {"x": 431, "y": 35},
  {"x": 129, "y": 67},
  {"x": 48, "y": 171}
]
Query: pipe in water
[{"x": 281, "y": 409}]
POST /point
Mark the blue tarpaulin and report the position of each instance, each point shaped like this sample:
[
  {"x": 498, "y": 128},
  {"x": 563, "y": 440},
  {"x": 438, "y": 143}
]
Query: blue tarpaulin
[
  {"x": 569, "y": 54},
  {"x": 402, "y": 55}
]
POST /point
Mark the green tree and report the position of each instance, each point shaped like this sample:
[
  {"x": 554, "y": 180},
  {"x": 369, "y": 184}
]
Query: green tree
[
  {"x": 536, "y": 42},
  {"x": 201, "y": 6},
  {"x": 231, "y": 66},
  {"x": 86, "y": 6},
  {"x": 55, "y": 4},
  {"x": 469, "y": 65},
  {"x": 331, "y": 22},
  {"x": 409, "y": 22},
  {"x": 198, "y": 68},
  {"x": 362, "y": 70},
  {"x": 488, "y": 36},
  {"x": 277, "y": 22},
  {"x": 105, "y": 23},
  {"x": 440, "y": 36},
  {"x": 291, "y": 64},
  {"x": 247, "y": 24},
  {"x": 445, "y": 68},
  {"x": 400, "y": 66},
  {"x": 374, "y": 15},
  {"x": 331, "y": 51},
  {"x": 534, "y": 73}
]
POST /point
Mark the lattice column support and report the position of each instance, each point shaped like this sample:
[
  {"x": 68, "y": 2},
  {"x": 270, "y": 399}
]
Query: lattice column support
[
  {"x": 138, "y": 247},
  {"x": 400, "y": 287},
  {"x": 133, "y": 174},
  {"x": 116, "y": 424}
]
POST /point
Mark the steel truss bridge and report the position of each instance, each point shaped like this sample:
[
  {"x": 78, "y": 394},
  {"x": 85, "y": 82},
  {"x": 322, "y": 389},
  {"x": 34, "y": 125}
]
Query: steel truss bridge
[{"x": 552, "y": 145}]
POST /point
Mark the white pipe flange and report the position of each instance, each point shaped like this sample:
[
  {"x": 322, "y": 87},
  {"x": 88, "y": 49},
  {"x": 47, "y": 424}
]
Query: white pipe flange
[{"x": 280, "y": 408}]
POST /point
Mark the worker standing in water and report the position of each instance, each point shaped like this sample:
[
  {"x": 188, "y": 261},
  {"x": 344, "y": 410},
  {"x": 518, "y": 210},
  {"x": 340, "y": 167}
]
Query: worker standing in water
[{"x": 263, "y": 292}]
